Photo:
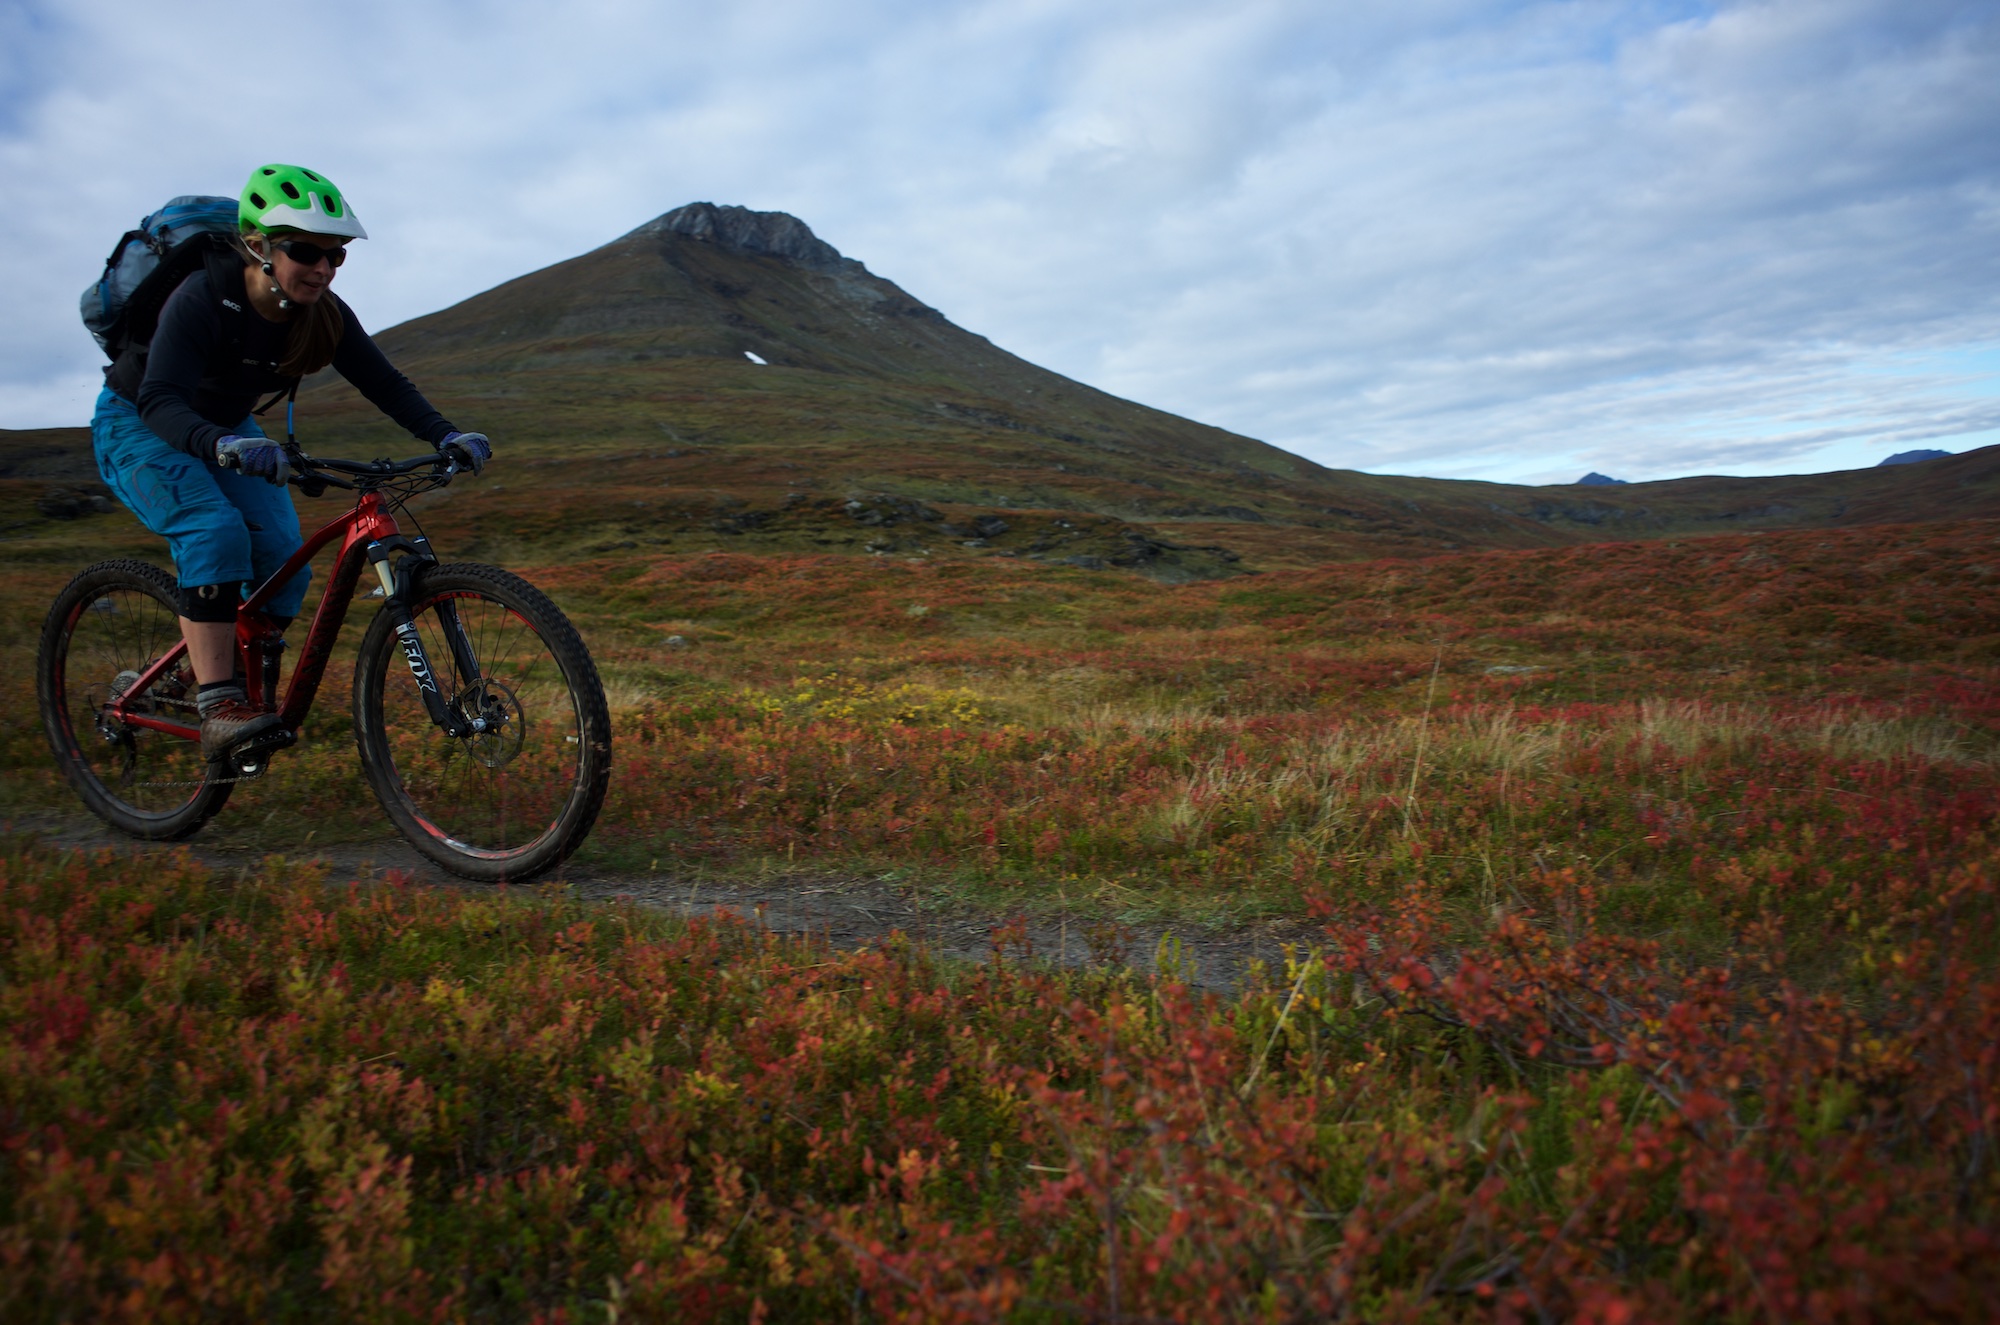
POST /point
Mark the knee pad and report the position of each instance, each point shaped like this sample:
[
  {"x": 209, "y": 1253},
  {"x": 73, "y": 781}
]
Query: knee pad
[{"x": 210, "y": 602}]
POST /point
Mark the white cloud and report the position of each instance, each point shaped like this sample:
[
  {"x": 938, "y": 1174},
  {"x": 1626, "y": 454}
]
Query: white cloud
[{"x": 1476, "y": 239}]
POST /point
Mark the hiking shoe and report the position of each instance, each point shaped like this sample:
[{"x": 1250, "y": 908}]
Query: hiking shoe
[{"x": 236, "y": 722}]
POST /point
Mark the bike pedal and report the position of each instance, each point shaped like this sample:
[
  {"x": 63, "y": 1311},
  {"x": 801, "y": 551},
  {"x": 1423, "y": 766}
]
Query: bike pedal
[{"x": 258, "y": 748}]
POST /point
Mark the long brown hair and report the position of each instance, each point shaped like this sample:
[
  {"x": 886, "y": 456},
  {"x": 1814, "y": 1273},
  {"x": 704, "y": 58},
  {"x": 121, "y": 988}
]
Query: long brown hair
[
  {"x": 316, "y": 327},
  {"x": 315, "y": 336}
]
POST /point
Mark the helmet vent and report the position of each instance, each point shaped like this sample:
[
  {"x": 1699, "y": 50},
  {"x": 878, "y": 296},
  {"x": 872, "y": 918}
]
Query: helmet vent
[{"x": 276, "y": 192}]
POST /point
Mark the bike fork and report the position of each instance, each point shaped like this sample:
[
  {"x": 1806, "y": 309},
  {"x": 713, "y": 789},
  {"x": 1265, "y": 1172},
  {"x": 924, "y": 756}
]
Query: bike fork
[{"x": 442, "y": 711}]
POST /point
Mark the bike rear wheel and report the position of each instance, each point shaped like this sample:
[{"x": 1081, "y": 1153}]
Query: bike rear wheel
[
  {"x": 112, "y": 622},
  {"x": 516, "y": 799}
]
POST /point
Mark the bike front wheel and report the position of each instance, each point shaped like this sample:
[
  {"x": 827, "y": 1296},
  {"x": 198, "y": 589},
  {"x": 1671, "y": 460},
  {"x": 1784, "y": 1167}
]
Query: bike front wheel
[
  {"x": 108, "y": 626},
  {"x": 515, "y": 799}
]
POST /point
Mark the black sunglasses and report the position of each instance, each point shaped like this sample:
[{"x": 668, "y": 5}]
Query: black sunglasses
[{"x": 308, "y": 255}]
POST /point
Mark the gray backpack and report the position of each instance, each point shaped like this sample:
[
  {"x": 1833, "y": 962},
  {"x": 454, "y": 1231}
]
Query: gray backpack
[{"x": 122, "y": 307}]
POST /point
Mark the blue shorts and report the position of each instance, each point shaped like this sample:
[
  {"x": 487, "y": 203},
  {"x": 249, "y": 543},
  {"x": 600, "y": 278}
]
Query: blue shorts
[{"x": 220, "y": 525}]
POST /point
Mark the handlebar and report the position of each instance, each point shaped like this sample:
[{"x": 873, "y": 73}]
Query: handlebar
[{"x": 316, "y": 473}]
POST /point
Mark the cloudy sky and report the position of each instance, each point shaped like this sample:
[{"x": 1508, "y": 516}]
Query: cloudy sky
[{"x": 1463, "y": 238}]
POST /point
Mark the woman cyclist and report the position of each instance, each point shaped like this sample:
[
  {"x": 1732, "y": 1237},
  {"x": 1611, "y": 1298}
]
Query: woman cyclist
[{"x": 176, "y": 439}]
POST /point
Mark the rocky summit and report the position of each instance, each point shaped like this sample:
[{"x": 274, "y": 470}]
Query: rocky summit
[{"x": 772, "y": 234}]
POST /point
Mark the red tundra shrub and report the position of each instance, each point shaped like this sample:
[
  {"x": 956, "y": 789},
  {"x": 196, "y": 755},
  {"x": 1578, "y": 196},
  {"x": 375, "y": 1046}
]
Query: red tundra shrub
[{"x": 283, "y": 1098}]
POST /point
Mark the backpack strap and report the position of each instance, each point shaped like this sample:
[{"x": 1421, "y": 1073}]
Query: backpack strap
[
  {"x": 141, "y": 317},
  {"x": 225, "y": 277},
  {"x": 125, "y": 241},
  {"x": 131, "y": 336},
  {"x": 232, "y": 299},
  {"x": 285, "y": 393}
]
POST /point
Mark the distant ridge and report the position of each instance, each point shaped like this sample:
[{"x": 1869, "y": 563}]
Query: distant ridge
[
  {"x": 1913, "y": 457},
  {"x": 1596, "y": 480}
]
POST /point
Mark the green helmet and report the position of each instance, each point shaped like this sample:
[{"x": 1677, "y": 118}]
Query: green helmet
[{"x": 294, "y": 198}]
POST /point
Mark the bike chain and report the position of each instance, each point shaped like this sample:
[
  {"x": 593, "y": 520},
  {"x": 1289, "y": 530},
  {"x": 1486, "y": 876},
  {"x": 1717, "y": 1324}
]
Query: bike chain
[
  {"x": 215, "y": 782},
  {"x": 207, "y": 782}
]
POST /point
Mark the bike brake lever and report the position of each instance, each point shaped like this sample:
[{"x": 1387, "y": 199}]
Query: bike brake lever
[{"x": 312, "y": 485}]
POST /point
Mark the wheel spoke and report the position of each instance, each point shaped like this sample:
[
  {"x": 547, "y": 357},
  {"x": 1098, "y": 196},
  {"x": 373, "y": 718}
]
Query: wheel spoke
[
  {"x": 112, "y": 623},
  {"x": 117, "y": 636},
  {"x": 524, "y": 787}
]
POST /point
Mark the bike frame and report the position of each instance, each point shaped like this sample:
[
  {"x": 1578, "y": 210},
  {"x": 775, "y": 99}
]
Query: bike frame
[{"x": 368, "y": 534}]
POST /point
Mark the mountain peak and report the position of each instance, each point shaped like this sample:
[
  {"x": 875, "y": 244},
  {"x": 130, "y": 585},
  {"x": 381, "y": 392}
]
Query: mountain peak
[{"x": 773, "y": 234}]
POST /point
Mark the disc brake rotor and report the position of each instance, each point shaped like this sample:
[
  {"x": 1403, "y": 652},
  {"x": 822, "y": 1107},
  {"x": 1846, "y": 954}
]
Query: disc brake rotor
[{"x": 506, "y": 725}]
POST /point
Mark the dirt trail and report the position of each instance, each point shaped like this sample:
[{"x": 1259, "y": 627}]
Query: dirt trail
[{"x": 846, "y": 912}]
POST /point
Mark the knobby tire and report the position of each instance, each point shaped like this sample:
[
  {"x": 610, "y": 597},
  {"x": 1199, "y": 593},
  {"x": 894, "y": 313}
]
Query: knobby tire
[
  {"x": 513, "y": 802},
  {"x": 108, "y": 625}
]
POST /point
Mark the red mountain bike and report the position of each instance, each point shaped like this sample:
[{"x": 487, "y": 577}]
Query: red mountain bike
[{"x": 478, "y": 712}]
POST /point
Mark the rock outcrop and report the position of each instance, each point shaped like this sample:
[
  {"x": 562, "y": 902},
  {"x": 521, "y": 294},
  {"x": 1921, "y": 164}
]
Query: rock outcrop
[{"x": 773, "y": 234}]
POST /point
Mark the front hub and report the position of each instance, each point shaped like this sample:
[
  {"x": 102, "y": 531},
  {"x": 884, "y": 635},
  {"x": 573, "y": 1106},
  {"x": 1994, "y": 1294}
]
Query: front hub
[{"x": 499, "y": 727}]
